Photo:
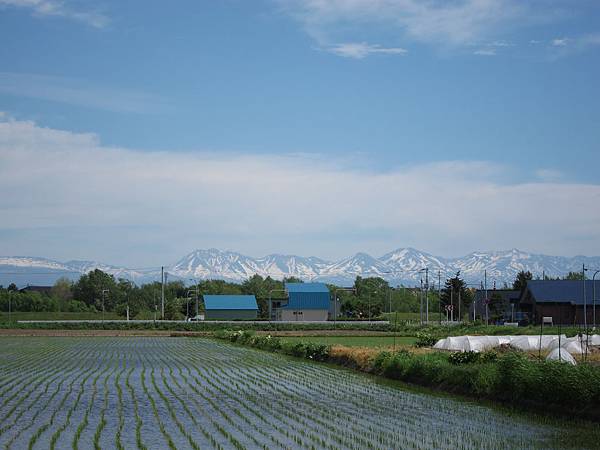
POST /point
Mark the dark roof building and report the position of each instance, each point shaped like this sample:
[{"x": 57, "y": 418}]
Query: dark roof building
[
  {"x": 230, "y": 307},
  {"x": 563, "y": 300},
  {"x": 40, "y": 289}
]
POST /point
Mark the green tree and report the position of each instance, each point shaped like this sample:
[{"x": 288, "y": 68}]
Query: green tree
[
  {"x": 292, "y": 280},
  {"x": 368, "y": 299},
  {"x": 173, "y": 309},
  {"x": 216, "y": 287},
  {"x": 62, "y": 289},
  {"x": 574, "y": 276},
  {"x": 497, "y": 306},
  {"x": 521, "y": 280},
  {"x": 454, "y": 292},
  {"x": 89, "y": 289},
  {"x": 262, "y": 289}
]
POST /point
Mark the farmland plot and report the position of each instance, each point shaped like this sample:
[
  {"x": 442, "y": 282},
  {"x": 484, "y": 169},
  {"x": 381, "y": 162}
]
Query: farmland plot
[{"x": 155, "y": 393}]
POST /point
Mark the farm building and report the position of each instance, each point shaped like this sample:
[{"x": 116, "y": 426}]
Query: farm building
[
  {"x": 40, "y": 289},
  {"x": 560, "y": 299},
  {"x": 305, "y": 301},
  {"x": 230, "y": 307}
]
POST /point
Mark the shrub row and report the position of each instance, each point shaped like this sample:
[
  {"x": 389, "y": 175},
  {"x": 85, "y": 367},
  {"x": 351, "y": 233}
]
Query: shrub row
[
  {"x": 310, "y": 350},
  {"x": 512, "y": 378}
]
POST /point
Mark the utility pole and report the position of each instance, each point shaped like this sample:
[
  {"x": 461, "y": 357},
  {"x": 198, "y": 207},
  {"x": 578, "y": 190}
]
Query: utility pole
[
  {"x": 162, "y": 293},
  {"x": 486, "y": 296},
  {"x": 198, "y": 299},
  {"x": 475, "y": 303},
  {"x": 584, "y": 301},
  {"x": 421, "y": 301},
  {"x": 452, "y": 303},
  {"x": 155, "y": 307},
  {"x": 594, "y": 296},
  {"x": 440, "y": 294},
  {"x": 426, "y": 295}
]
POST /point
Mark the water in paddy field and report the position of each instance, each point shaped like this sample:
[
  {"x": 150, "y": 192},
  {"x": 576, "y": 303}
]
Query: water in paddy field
[{"x": 185, "y": 393}]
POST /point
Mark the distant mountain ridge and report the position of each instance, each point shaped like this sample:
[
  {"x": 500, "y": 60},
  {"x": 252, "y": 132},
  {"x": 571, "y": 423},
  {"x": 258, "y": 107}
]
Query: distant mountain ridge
[{"x": 401, "y": 266}]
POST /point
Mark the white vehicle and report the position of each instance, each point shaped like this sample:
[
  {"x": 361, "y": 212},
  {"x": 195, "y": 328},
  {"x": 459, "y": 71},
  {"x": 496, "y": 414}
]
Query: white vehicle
[{"x": 197, "y": 318}]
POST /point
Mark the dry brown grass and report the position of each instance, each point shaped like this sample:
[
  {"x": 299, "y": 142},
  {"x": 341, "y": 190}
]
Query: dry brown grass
[
  {"x": 355, "y": 357},
  {"x": 361, "y": 357}
]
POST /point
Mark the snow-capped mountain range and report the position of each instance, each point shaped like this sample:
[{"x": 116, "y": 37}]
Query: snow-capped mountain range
[{"x": 401, "y": 266}]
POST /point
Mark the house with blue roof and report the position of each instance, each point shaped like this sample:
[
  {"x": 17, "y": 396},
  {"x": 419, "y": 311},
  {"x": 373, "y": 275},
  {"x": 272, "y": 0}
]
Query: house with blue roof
[
  {"x": 230, "y": 307},
  {"x": 305, "y": 301},
  {"x": 563, "y": 300}
]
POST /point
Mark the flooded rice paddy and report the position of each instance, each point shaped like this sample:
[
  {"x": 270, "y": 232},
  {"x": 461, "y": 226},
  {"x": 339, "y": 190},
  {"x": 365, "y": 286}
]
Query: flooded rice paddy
[{"x": 156, "y": 393}]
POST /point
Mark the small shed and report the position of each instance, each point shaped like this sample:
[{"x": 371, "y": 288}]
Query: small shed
[
  {"x": 230, "y": 307},
  {"x": 306, "y": 301}
]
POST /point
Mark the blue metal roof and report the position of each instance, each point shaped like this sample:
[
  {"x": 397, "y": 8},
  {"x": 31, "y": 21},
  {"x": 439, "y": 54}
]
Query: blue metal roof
[
  {"x": 307, "y": 296},
  {"x": 230, "y": 302},
  {"x": 563, "y": 291},
  {"x": 306, "y": 287}
]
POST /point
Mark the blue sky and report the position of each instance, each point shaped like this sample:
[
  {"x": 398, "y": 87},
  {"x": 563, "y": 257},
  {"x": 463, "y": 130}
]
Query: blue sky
[{"x": 367, "y": 118}]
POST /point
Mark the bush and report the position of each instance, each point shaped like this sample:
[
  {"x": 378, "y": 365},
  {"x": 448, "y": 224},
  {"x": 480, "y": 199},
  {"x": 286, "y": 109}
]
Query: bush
[
  {"x": 489, "y": 356},
  {"x": 425, "y": 339},
  {"x": 310, "y": 350},
  {"x": 379, "y": 362},
  {"x": 464, "y": 357}
]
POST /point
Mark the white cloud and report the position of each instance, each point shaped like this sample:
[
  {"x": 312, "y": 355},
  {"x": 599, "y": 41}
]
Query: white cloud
[
  {"x": 559, "y": 42},
  {"x": 485, "y": 52},
  {"x": 567, "y": 46},
  {"x": 360, "y": 50},
  {"x": 58, "y": 8},
  {"x": 80, "y": 93},
  {"x": 500, "y": 44},
  {"x": 53, "y": 179},
  {"x": 438, "y": 22}
]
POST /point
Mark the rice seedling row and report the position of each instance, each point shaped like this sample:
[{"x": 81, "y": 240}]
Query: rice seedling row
[{"x": 180, "y": 393}]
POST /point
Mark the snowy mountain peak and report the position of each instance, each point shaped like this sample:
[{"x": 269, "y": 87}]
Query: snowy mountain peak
[{"x": 399, "y": 266}]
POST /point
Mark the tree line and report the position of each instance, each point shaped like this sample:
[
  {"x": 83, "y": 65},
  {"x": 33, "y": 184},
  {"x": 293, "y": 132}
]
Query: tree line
[{"x": 369, "y": 297}]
